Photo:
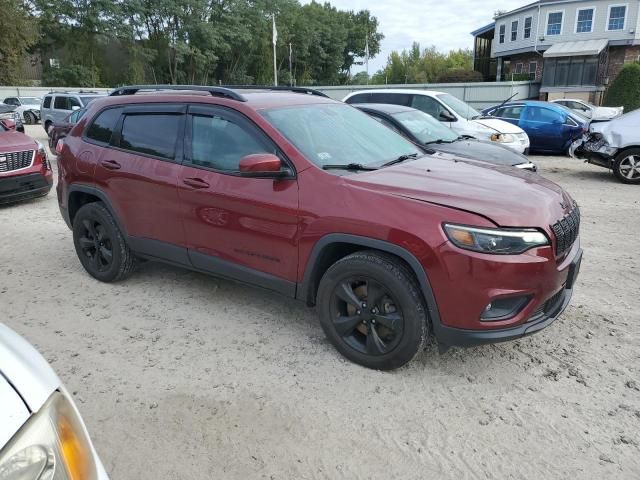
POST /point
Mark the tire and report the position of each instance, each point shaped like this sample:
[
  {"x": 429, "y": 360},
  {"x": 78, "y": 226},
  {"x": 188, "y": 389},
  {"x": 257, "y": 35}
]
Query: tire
[
  {"x": 30, "y": 118},
  {"x": 626, "y": 166},
  {"x": 383, "y": 324},
  {"x": 100, "y": 245}
]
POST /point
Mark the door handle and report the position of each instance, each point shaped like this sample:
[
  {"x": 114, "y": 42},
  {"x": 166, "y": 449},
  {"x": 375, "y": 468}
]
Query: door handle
[
  {"x": 195, "y": 183},
  {"x": 110, "y": 164}
]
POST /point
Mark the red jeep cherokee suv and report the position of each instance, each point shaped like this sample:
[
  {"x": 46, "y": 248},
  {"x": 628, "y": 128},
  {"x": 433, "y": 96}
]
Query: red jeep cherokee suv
[
  {"x": 25, "y": 171},
  {"x": 311, "y": 198}
]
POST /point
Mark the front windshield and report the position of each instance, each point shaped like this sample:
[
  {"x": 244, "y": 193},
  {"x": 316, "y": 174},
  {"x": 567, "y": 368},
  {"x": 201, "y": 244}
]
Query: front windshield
[
  {"x": 461, "y": 108},
  {"x": 30, "y": 100},
  {"x": 424, "y": 127},
  {"x": 337, "y": 134}
]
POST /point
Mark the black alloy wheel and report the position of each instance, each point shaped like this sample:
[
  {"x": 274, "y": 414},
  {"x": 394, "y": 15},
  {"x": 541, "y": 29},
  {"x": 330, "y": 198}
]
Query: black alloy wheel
[
  {"x": 96, "y": 245},
  {"x": 366, "y": 316}
]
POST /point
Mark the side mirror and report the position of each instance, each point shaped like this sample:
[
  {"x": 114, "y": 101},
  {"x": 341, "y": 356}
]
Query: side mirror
[
  {"x": 447, "y": 116},
  {"x": 75, "y": 107},
  {"x": 262, "y": 165}
]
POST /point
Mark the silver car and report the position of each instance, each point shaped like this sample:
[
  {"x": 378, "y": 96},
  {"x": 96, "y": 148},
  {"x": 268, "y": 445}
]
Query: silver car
[
  {"x": 42, "y": 435},
  {"x": 27, "y": 107},
  {"x": 57, "y": 105},
  {"x": 614, "y": 145},
  {"x": 589, "y": 110}
]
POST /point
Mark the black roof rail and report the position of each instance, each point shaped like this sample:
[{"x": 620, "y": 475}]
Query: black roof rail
[
  {"x": 214, "y": 91},
  {"x": 306, "y": 90}
]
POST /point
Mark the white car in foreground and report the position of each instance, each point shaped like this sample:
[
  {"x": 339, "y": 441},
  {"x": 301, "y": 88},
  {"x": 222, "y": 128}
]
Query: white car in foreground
[
  {"x": 589, "y": 110},
  {"x": 42, "y": 436},
  {"x": 461, "y": 117}
]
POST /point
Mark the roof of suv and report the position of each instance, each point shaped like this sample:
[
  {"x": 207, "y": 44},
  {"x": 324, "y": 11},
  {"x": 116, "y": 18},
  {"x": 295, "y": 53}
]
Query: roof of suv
[
  {"x": 255, "y": 99},
  {"x": 398, "y": 90}
]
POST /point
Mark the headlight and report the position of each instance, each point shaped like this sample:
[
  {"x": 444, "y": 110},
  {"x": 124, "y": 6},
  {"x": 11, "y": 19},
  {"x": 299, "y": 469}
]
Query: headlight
[
  {"x": 503, "y": 138},
  {"x": 501, "y": 241},
  {"x": 52, "y": 445}
]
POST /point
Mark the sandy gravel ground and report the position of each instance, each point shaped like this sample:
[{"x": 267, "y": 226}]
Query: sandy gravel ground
[{"x": 184, "y": 376}]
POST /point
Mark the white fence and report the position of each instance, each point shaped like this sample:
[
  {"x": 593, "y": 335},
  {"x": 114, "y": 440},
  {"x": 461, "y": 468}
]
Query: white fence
[{"x": 478, "y": 95}]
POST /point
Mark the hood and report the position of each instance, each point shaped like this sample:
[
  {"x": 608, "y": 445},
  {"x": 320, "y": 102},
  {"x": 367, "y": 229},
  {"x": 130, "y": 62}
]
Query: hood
[
  {"x": 498, "y": 125},
  {"x": 620, "y": 132},
  {"x": 14, "y": 412},
  {"x": 606, "y": 112},
  {"x": 14, "y": 141},
  {"x": 23, "y": 367},
  {"x": 479, "y": 150},
  {"x": 507, "y": 196}
]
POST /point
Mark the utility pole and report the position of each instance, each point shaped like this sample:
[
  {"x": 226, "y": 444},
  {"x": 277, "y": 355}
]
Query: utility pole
[
  {"x": 366, "y": 57},
  {"x": 290, "y": 66},
  {"x": 275, "y": 40}
]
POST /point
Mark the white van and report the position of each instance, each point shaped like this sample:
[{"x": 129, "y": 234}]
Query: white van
[{"x": 456, "y": 114}]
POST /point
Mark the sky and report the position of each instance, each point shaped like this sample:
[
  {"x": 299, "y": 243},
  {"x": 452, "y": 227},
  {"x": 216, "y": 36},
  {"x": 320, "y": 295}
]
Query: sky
[{"x": 447, "y": 24}]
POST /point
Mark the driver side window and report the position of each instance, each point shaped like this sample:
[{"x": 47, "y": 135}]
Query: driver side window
[
  {"x": 220, "y": 144},
  {"x": 428, "y": 105}
]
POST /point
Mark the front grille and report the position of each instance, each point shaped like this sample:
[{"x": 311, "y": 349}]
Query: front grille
[
  {"x": 567, "y": 230},
  {"x": 15, "y": 160}
]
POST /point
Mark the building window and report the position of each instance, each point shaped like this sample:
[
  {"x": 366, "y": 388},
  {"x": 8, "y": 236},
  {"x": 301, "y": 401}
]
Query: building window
[
  {"x": 502, "y": 31},
  {"x": 584, "y": 22},
  {"x": 616, "y": 17},
  {"x": 527, "y": 27},
  {"x": 514, "y": 31},
  {"x": 519, "y": 67},
  {"x": 570, "y": 72},
  {"x": 533, "y": 67},
  {"x": 554, "y": 23}
]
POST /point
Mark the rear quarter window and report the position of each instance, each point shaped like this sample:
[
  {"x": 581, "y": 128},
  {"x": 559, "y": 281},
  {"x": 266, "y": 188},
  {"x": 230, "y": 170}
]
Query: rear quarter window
[
  {"x": 391, "y": 98},
  {"x": 102, "y": 127},
  {"x": 47, "y": 102}
]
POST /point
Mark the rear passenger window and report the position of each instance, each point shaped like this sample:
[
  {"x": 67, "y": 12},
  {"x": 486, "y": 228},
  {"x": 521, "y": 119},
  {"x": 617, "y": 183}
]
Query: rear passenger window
[
  {"x": 359, "y": 98},
  {"x": 61, "y": 103},
  {"x": 220, "y": 144},
  {"x": 153, "y": 134},
  {"x": 47, "y": 102},
  {"x": 392, "y": 98},
  {"x": 102, "y": 127}
]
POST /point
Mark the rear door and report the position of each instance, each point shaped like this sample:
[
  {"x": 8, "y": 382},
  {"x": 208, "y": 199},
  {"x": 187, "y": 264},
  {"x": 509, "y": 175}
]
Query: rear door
[
  {"x": 138, "y": 169},
  {"x": 240, "y": 227}
]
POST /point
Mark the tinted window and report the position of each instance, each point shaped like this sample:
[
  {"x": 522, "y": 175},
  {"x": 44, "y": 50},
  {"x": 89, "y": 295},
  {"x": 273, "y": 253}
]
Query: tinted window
[
  {"x": 359, "y": 98},
  {"x": 74, "y": 102},
  {"x": 392, "y": 98},
  {"x": 102, "y": 127},
  {"x": 153, "y": 134},
  {"x": 61, "y": 103},
  {"x": 11, "y": 101},
  {"x": 47, "y": 102},
  {"x": 220, "y": 144}
]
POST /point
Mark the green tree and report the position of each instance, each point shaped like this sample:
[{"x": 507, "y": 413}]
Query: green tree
[
  {"x": 625, "y": 89},
  {"x": 17, "y": 35}
]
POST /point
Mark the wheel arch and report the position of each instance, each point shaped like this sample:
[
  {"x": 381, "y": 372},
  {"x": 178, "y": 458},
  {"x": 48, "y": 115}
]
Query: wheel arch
[
  {"x": 80, "y": 195},
  {"x": 333, "y": 247}
]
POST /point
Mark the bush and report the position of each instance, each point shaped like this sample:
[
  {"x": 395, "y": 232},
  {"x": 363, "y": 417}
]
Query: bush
[
  {"x": 456, "y": 75},
  {"x": 72, "y": 76},
  {"x": 625, "y": 90}
]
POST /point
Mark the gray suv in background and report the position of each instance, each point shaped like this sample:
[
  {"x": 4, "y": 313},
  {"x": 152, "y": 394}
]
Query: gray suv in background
[{"x": 57, "y": 105}]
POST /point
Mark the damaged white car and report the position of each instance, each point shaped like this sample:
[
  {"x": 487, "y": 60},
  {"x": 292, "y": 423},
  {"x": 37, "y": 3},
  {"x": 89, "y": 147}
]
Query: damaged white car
[{"x": 614, "y": 145}]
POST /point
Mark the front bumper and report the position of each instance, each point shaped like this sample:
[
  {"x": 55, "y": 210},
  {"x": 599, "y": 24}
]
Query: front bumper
[
  {"x": 548, "y": 285},
  {"x": 22, "y": 187}
]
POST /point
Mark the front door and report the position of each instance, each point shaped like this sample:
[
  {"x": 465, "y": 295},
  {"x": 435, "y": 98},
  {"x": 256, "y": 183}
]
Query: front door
[
  {"x": 544, "y": 127},
  {"x": 240, "y": 227}
]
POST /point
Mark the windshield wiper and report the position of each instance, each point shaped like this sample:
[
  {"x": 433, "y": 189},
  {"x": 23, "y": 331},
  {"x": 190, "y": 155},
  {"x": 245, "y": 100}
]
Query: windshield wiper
[
  {"x": 438, "y": 141},
  {"x": 400, "y": 159},
  {"x": 349, "y": 166}
]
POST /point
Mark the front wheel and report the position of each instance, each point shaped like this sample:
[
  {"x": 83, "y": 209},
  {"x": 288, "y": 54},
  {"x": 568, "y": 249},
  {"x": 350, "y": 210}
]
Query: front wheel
[
  {"x": 30, "y": 118},
  {"x": 371, "y": 309},
  {"x": 626, "y": 166}
]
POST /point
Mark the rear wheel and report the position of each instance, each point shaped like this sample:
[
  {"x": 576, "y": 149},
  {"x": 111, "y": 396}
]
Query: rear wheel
[
  {"x": 100, "y": 245},
  {"x": 626, "y": 166},
  {"x": 372, "y": 311}
]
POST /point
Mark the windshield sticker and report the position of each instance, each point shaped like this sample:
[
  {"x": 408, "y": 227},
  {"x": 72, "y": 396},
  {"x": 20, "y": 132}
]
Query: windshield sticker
[{"x": 324, "y": 156}]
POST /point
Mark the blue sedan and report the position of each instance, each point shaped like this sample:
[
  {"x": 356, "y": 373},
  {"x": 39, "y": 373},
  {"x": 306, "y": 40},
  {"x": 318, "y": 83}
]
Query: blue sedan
[{"x": 551, "y": 127}]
